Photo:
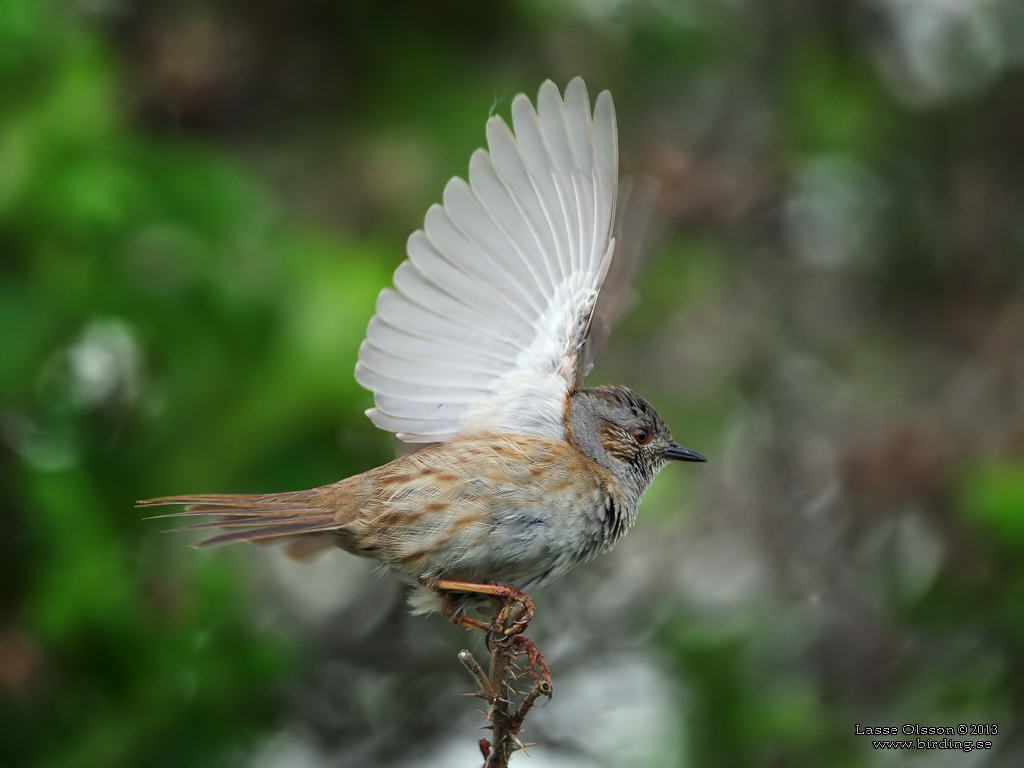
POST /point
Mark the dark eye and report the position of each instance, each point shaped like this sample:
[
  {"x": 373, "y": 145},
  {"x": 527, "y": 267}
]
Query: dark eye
[{"x": 640, "y": 435}]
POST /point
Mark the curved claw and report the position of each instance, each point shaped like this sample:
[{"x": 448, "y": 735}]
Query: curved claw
[{"x": 490, "y": 640}]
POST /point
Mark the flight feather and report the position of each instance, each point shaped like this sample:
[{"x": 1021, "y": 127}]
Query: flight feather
[{"x": 486, "y": 324}]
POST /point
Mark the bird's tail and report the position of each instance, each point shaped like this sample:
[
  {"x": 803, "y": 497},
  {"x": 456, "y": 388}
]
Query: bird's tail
[{"x": 257, "y": 518}]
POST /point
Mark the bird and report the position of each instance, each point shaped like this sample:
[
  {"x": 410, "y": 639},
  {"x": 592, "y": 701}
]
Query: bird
[{"x": 479, "y": 352}]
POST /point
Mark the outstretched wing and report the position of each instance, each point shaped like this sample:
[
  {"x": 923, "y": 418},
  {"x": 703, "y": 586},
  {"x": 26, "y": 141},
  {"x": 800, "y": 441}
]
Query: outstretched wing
[{"x": 490, "y": 312}]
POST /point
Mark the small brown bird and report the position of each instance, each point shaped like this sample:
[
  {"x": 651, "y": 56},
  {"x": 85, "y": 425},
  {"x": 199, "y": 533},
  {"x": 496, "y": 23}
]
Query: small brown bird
[{"x": 481, "y": 351}]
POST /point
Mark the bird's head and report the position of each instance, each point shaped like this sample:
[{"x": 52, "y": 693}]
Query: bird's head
[{"x": 623, "y": 433}]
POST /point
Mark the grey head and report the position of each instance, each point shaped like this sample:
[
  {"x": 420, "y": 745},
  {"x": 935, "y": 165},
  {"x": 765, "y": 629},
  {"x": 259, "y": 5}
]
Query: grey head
[{"x": 623, "y": 433}]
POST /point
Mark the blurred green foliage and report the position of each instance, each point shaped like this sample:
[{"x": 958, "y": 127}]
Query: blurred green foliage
[
  {"x": 113, "y": 243},
  {"x": 166, "y": 328},
  {"x": 993, "y": 500}
]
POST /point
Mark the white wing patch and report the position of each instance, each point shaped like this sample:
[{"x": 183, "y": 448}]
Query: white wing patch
[{"x": 487, "y": 322}]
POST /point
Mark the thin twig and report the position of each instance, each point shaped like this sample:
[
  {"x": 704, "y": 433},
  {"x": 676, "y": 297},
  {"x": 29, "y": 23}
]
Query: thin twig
[
  {"x": 495, "y": 689},
  {"x": 478, "y": 672}
]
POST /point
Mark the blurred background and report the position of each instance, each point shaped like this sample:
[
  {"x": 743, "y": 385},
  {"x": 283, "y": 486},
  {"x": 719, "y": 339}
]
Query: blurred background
[{"x": 199, "y": 202}]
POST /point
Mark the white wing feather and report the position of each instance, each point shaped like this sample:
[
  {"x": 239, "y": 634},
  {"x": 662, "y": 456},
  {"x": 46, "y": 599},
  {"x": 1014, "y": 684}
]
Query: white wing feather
[{"x": 487, "y": 322}]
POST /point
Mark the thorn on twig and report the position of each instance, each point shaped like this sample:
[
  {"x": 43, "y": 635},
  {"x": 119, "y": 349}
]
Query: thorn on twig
[
  {"x": 519, "y": 744},
  {"x": 505, "y": 643}
]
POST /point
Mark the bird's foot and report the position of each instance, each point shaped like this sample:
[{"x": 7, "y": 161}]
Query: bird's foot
[
  {"x": 535, "y": 664},
  {"x": 516, "y": 605}
]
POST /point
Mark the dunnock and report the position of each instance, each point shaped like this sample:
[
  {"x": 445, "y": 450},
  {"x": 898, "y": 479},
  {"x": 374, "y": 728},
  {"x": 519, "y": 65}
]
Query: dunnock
[{"x": 480, "y": 351}]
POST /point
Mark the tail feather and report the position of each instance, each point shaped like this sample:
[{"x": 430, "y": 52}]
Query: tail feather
[
  {"x": 269, "y": 532},
  {"x": 256, "y": 517},
  {"x": 212, "y": 502},
  {"x": 248, "y": 522}
]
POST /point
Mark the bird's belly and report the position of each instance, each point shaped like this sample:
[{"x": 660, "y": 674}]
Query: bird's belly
[
  {"x": 532, "y": 545},
  {"x": 517, "y": 544}
]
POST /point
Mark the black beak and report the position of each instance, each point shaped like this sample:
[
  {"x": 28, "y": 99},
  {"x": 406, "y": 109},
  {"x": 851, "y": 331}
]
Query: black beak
[{"x": 676, "y": 451}]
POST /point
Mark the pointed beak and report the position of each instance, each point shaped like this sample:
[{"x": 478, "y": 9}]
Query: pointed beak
[{"x": 677, "y": 452}]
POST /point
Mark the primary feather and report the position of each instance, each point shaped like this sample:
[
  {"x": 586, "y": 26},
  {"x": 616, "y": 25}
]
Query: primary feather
[{"x": 486, "y": 326}]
